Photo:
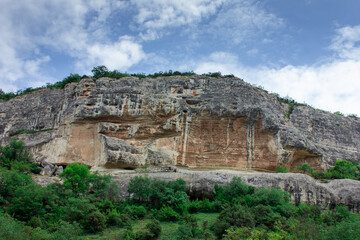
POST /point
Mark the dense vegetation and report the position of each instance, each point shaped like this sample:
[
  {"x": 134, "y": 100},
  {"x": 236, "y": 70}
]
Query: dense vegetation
[
  {"x": 342, "y": 169},
  {"x": 87, "y": 206}
]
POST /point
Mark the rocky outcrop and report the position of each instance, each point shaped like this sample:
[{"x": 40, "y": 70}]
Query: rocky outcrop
[
  {"x": 195, "y": 122},
  {"x": 301, "y": 187}
]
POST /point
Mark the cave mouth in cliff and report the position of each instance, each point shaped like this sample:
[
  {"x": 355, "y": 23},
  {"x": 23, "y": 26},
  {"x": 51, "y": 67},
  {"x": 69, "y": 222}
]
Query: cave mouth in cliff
[
  {"x": 61, "y": 165},
  {"x": 129, "y": 168}
]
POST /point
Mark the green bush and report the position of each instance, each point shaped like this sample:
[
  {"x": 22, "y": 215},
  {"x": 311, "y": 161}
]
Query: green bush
[
  {"x": 10, "y": 181},
  {"x": 306, "y": 168},
  {"x": 156, "y": 193},
  {"x": 113, "y": 218},
  {"x": 341, "y": 213},
  {"x": 65, "y": 231},
  {"x": 11, "y": 229},
  {"x": 143, "y": 234},
  {"x": 77, "y": 210},
  {"x": 202, "y": 206},
  {"x": 228, "y": 193},
  {"x": 14, "y": 156},
  {"x": 167, "y": 214},
  {"x": 345, "y": 230},
  {"x": 271, "y": 197},
  {"x": 28, "y": 201},
  {"x": 154, "y": 228},
  {"x": 281, "y": 169},
  {"x": 344, "y": 169},
  {"x": 95, "y": 222},
  {"x": 237, "y": 216},
  {"x": 136, "y": 212},
  {"x": 183, "y": 232},
  {"x": 76, "y": 177},
  {"x": 246, "y": 233},
  {"x": 194, "y": 206},
  {"x": 265, "y": 215}
]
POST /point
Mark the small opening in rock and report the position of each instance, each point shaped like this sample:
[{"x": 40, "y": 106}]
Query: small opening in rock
[{"x": 129, "y": 168}]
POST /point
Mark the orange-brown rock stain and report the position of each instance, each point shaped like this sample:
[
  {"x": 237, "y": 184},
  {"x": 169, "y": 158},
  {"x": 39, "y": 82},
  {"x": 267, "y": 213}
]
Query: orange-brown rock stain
[
  {"x": 210, "y": 142},
  {"x": 83, "y": 145}
]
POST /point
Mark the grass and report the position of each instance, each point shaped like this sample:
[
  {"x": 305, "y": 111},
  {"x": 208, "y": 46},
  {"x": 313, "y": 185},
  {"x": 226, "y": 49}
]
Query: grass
[{"x": 21, "y": 131}]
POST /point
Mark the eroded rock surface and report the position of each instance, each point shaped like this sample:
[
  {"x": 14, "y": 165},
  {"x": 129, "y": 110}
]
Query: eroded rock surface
[
  {"x": 302, "y": 188},
  {"x": 197, "y": 122}
]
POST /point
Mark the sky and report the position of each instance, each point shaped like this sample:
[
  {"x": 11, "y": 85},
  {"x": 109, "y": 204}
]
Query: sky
[{"x": 308, "y": 50}]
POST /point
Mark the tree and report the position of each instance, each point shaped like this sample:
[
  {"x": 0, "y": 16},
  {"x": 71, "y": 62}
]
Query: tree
[
  {"x": 100, "y": 71},
  {"x": 237, "y": 188},
  {"x": 14, "y": 156},
  {"x": 77, "y": 178}
]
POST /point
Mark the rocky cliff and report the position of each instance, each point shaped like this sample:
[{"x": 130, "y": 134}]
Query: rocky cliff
[
  {"x": 302, "y": 188},
  {"x": 197, "y": 122}
]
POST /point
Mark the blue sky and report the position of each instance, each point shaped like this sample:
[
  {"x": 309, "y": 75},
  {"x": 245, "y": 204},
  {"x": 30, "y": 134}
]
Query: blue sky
[{"x": 306, "y": 49}]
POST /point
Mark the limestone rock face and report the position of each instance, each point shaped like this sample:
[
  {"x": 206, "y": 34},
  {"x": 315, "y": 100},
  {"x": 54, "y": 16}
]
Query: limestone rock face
[
  {"x": 196, "y": 122},
  {"x": 302, "y": 188}
]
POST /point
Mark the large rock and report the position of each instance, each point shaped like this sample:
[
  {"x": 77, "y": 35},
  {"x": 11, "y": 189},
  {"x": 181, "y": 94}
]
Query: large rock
[
  {"x": 301, "y": 187},
  {"x": 197, "y": 122}
]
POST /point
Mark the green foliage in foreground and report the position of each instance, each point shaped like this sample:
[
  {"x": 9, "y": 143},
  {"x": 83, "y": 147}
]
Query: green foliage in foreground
[{"x": 87, "y": 206}]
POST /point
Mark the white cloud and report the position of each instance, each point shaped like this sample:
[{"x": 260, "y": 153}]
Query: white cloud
[
  {"x": 347, "y": 42},
  {"x": 120, "y": 55},
  {"x": 76, "y": 28},
  {"x": 158, "y": 14},
  {"x": 332, "y": 86},
  {"x": 154, "y": 16},
  {"x": 242, "y": 20}
]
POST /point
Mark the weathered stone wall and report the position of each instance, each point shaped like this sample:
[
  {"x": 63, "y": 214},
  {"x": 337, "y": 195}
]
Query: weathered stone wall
[
  {"x": 197, "y": 122},
  {"x": 302, "y": 188}
]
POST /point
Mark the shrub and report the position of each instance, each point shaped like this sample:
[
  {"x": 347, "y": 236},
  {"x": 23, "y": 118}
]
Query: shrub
[
  {"x": 28, "y": 201},
  {"x": 154, "y": 228},
  {"x": 66, "y": 231},
  {"x": 14, "y": 156},
  {"x": 236, "y": 188},
  {"x": 113, "y": 218},
  {"x": 77, "y": 210},
  {"x": 343, "y": 231},
  {"x": 271, "y": 197},
  {"x": 244, "y": 233},
  {"x": 194, "y": 206},
  {"x": 167, "y": 214},
  {"x": 264, "y": 215},
  {"x": 183, "y": 232},
  {"x": 156, "y": 193},
  {"x": 10, "y": 229},
  {"x": 344, "y": 169},
  {"x": 237, "y": 216},
  {"x": 77, "y": 178},
  {"x": 281, "y": 169},
  {"x": 35, "y": 168},
  {"x": 144, "y": 234},
  {"x": 136, "y": 212},
  {"x": 306, "y": 168},
  {"x": 10, "y": 181},
  {"x": 95, "y": 222},
  {"x": 341, "y": 213},
  {"x": 338, "y": 113}
]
